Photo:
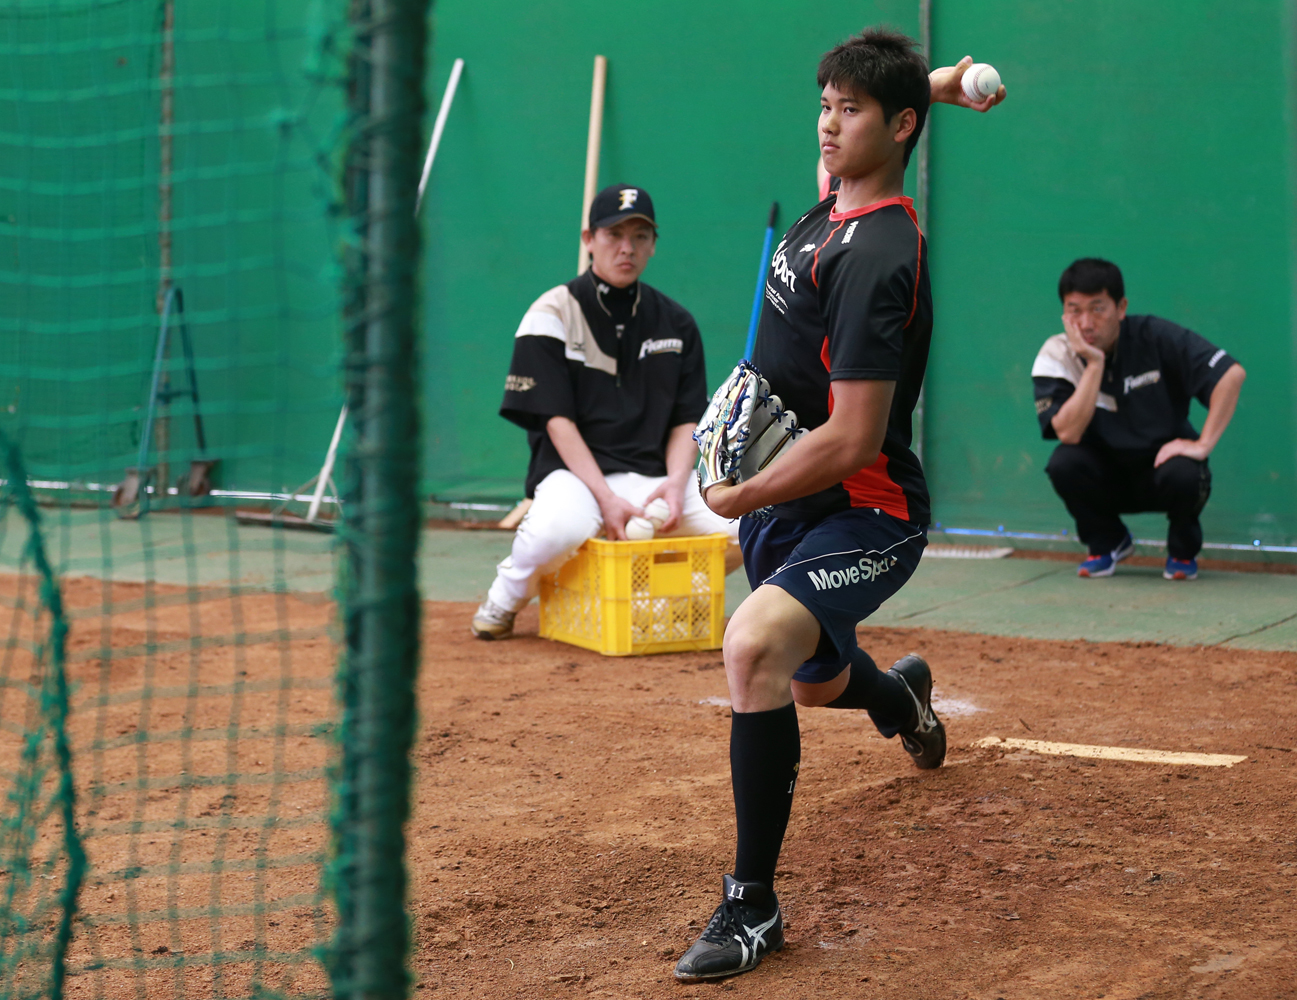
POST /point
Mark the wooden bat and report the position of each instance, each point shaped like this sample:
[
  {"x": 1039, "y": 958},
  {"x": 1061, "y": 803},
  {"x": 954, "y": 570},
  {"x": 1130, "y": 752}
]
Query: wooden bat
[{"x": 593, "y": 142}]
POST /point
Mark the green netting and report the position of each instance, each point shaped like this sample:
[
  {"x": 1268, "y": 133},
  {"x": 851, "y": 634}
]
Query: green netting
[
  {"x": 380, "y": 595},
  {"x": 40, "y": 847},
  {"x": 167, "y": 696},
  {"x": 88, "y": 208}
]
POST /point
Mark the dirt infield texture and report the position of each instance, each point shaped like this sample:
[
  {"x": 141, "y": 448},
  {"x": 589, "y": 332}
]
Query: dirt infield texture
[
  {"x": 198, "y": 729},
  {"x": 573, "y": 816}
]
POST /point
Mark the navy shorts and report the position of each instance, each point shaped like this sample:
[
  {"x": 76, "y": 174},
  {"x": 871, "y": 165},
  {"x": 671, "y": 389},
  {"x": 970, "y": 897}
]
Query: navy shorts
[{"x": 840, "y": 568}]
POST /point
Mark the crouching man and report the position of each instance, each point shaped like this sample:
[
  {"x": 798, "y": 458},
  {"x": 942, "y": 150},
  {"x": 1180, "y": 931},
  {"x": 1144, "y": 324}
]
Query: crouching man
[{"x": 1114, "y": 390}]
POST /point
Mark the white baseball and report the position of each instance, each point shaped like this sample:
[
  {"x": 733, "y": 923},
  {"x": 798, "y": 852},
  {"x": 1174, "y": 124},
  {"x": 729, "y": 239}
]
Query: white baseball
[
  {"x": 980, "y": 81},
  {"x": 657, "y": 512},
  {"x": 639, "y": 529}
]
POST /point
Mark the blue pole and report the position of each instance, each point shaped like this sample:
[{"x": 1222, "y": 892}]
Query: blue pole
[{"x": 761, "y": 284}]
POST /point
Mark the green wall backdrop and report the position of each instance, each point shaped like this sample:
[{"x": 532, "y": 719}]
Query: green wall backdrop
[
  {"x": 1116, "y": 141},
  {"x": 1155, "y": 133}
]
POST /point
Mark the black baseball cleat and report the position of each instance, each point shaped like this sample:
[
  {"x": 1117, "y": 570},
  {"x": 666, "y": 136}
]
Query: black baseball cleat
[
  {"x": 925, "y": 738},
  {"x": 745, "y": 928}
]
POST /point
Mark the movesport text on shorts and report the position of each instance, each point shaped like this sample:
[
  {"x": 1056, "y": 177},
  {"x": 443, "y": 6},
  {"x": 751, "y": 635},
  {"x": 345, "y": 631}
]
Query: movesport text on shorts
[{"x": 840, "y": 568}]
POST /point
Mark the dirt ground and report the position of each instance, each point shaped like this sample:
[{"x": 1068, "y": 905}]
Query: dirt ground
[
  {"x": 573, "y": 816},
  {"x": 198, "y": 729},
  {"x": 574, "y": 819}
]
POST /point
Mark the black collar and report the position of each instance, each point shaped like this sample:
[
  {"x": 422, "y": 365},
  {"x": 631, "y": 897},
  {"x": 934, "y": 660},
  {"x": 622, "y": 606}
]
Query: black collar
[{"x": 618, "y": 303}]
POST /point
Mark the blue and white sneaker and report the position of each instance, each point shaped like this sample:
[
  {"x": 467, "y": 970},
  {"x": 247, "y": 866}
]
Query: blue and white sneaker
[
  {"x": 1180, "y": 569},
  {"x": 1105, "y": 564}
]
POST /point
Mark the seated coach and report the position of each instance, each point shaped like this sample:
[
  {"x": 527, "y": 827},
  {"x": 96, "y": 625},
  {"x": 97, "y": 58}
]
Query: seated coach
[
  {"x": 608, "y": 380},
  {"x": 1114, "y": 390}
]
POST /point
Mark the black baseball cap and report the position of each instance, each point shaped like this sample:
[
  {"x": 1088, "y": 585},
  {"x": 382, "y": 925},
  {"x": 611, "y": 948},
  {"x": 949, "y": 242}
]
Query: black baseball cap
[{"x": 619, "y": 202}]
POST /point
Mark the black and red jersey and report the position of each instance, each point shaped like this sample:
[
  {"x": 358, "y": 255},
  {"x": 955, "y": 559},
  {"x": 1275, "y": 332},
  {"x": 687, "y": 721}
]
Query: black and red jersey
[
  {"x": 847, "y": 297},
  {"x": 1154, "y": 369}
]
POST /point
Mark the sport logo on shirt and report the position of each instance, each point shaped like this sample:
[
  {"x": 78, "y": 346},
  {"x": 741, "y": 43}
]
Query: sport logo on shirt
[
  {"x": 780, "y": 266},
  {"x": 672, "y": 345},
  {"x": 1214, "y": 358},
  {"x": 851, "y": 231},
  {"x": 518, "y": 383},
  {"x": 1139, "y": 381}
]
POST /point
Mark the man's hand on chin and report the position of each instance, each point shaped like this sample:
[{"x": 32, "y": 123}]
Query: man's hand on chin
[
  {"x": 1181, "y": 446},
  {"x": 726, "y": 499}
]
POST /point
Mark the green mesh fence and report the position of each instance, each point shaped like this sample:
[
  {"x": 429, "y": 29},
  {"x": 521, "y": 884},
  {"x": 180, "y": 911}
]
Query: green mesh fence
[
  {"x": 40, "y": 845},
  {"x": 168, "y": 696}
]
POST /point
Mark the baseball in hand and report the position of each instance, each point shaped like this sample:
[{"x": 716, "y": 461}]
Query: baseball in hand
[
  {"x": 980, "y": 81},
  {"x": 639, "y": 529},
  {"x": 657, "y": 512}
]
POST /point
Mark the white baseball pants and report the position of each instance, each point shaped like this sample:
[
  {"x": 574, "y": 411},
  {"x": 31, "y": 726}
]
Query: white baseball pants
[{"x": 565, "y": 513}]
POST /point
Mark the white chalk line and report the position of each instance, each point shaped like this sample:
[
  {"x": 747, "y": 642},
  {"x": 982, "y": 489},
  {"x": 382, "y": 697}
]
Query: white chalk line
[
  {"x": 965, "y": 552},
  {"x": 954, "y": 707},
  {"x": 1136, "y": 754}
]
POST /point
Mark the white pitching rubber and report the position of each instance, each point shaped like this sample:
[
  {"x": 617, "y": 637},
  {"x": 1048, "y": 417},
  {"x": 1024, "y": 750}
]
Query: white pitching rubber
[{"x": 1136, "y": 754}]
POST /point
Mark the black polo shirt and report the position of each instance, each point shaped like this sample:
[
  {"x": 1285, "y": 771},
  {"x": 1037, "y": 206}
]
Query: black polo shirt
[
  {"x": 625, "y": 365},
  {"x": 1154, "y": 370},
  {"x": 847, "y": 297}
]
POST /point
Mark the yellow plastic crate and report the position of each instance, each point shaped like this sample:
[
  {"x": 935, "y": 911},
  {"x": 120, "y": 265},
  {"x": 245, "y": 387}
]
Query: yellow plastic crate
[{"x": 665, "y": 595}]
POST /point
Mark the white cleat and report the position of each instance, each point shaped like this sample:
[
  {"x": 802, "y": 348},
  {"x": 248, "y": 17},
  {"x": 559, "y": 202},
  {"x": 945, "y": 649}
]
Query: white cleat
[{"x": 491, "y": 621}]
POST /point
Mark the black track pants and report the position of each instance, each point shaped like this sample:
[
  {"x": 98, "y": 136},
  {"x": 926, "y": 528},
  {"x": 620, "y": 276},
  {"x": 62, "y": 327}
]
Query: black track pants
[{"x": 1100, "y": 485}]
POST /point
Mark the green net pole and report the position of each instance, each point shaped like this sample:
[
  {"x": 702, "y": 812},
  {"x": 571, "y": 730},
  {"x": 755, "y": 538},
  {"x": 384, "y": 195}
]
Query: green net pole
[{"x": 380, "y": 594}]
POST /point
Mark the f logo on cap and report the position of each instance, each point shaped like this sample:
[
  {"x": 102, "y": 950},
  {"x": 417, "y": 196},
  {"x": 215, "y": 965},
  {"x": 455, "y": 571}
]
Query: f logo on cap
[{"x": 628, "y": 196}]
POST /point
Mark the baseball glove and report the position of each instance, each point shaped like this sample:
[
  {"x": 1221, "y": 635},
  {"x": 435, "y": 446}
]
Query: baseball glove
[{"x": 744, "y": 429}]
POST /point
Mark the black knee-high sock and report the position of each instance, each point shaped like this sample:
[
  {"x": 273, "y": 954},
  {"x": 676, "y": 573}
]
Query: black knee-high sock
[
  {"x": 765, "y": 754},
  {"x": 881, "y": 694}
]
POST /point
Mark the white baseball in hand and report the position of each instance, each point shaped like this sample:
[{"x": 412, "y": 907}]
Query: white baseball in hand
[
  {"x": 639, "y": 529},
  {"x": 657, "y": 512},
  {"x": 980, "y": 81}
]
